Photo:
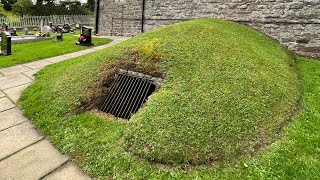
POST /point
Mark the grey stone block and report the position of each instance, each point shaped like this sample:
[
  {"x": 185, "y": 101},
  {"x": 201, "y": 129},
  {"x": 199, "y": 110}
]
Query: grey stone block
[
  {"x": 69, "y": 171},
  {"x": 16, "y": 138},
  {"x": 30, "y": 74},
  {"x": 57, "y": 59},
  {"x": 15, "y": 92},
  {"x": 38, "y": 64},
  {"x": 1, "y": 94},
  {"x": 13, "y": 80},
  {"x": 10, "y": 118},
  {"x": 14, "y": 70},
  {"x": 5, "y": 104},
  {"x": 33, "y": 162}
]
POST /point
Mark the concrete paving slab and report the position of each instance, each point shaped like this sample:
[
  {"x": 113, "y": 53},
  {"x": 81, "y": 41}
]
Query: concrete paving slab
[
  {"x": 30, "y": 74},
  {"x": 5, "y": 104},
  {"x": 16, "y": 138},
  {"x": 73, "y": 55},
  {"x": 38, "y": 64},
  {"x": 99, "y": 47},
  {"x": 57, "y": 59},
  {"x": 69, "y": 171},
  {"x": 10, "y": 118},
  {"x": 87, "y": 51},
  {"x": 15, "y": 92},
  {"x": 1, "y": 94},
  {"x": 13, "y": 80},
  {"x": 32, "y": 162},
  {"x": 14, "y": 70}
]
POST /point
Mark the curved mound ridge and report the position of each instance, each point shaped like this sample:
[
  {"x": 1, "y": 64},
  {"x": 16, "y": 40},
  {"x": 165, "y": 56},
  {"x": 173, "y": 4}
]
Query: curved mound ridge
[{"x": 228, "y": 92}]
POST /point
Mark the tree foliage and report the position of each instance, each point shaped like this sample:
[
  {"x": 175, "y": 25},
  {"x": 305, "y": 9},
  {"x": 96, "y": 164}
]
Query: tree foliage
[
  {"x": 7, "y": 4},
  {"x": 22, "y": 7},
  {"x": 50, "y": 7}
]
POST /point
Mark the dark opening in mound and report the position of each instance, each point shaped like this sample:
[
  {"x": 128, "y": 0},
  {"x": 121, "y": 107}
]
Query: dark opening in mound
[
  {"x": 96, "y": 94},
  {"x": 128, "y": 92}
]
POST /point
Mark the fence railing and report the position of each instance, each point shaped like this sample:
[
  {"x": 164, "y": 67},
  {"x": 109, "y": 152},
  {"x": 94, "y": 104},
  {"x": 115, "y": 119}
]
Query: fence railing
[{"x": 27, "y": 21}]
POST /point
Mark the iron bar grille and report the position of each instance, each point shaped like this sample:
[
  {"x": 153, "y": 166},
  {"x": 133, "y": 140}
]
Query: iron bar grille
[{"x": 128, "y": 93}]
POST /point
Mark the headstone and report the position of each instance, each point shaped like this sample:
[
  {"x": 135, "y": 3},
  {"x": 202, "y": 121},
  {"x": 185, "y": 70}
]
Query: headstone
[
  {"x": 78, "y": 25},
  {"x": 5, "y": 26},
  {"x": 50, "y": 25},
  {"x": 25, "y": 31},
  {"x": 54, "y": 28},
  {"x": 13, "y": 32},
  {"x": 66, "y": 28},
  {"x": 59, "y": 35},
  {"x": 85, "y": 37},
  {"x": 47, "y": 29},
  {"x": 72, "y": 30},
  {"x": 6, "y": 43},
  {"x": 41, "y": 24}
]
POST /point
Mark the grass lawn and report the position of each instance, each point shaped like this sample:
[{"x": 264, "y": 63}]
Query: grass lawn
[
  {"x": 27, "y": 52},
  {"x": 226, "y": 110}
]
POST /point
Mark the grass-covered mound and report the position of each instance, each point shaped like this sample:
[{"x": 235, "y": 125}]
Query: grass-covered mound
[{"x": 228, "y": 92}]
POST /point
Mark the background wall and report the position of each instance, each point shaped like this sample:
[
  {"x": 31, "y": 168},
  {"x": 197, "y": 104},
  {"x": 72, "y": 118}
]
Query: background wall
[{"x": 295, "y": 23}]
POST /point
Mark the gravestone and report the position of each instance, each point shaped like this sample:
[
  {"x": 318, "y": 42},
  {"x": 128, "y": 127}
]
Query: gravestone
[
  {"x": 50, "y": 25},
  {"x": 5, "y": 26},
  {"x": 6, "y": 43},
  {"x": 72, "y": 30},
  {"x": 47, "y": 29},
  {"x": 59, "y": 35},
  {"x": 78, "y": 25},
  {"x": 54, "y": 28},
  {"x": 66, "y": 28},
  {"x": 41, "y": 24},
  {"x": 25, "y": 31},
  {"x": 13, "y": 32},
  {"x": 85, "y": 37}
]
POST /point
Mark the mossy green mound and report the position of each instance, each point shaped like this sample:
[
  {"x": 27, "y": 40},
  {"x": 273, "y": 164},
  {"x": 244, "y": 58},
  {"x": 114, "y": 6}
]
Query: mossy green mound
[{"x": 228, "y": 92}]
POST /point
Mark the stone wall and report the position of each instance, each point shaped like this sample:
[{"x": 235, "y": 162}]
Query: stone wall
[{"x": 295, "y": 23}]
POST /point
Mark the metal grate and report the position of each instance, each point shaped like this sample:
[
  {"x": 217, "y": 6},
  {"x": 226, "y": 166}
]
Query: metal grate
[{"x": 128, "y": 93}]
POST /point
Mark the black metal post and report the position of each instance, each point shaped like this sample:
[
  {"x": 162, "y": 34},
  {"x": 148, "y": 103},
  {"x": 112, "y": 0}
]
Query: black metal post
[
  {"x": 142, "y": 16},
  {"x": 97, "y": 16}
]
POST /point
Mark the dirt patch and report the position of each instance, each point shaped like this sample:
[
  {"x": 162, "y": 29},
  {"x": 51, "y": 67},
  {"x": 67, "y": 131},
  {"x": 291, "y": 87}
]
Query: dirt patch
[{"x": 131, "y": 61}]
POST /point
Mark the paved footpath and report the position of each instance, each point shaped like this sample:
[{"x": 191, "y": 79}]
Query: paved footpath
[{"x": 24, "y": 152}]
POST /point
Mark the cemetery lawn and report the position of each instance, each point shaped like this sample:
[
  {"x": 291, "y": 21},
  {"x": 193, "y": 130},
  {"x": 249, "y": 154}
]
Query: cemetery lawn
[
  {"x": 33, "y": 51},
  {"x": 203, "y": 56}
]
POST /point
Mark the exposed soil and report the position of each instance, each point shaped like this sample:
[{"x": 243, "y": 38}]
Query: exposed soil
[{"x": 129, "y": 61}]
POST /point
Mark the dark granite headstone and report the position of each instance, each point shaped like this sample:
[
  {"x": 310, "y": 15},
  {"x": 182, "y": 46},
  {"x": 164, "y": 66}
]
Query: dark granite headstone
[
  {"x": 6, "y": 43},
  {"x": 59, "y": 34},
  {"x": 13, "y": 32},
  {"x": 85, "y": 38},
  {"x": 66, "y": 28},
  {"x": 5, "y": 26},
  {"x": 50, "y": 25}
]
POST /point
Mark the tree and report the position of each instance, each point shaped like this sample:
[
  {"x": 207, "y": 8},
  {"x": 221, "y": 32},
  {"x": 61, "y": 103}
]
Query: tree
[
  {"x": 2, "y": 12},
  {"x": 91, "y": 4},
  {"x": 22, "y": 7},
  {"x": 7, "y": 4}
]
